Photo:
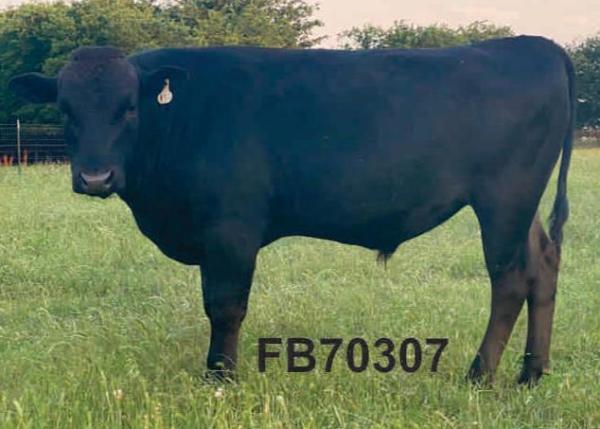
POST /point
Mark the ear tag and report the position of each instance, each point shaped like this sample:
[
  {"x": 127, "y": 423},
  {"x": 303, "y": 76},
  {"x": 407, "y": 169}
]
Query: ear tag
[{"x": 165, "y": 96}]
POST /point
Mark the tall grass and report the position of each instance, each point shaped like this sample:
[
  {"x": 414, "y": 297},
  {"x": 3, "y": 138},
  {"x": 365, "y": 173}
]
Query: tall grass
[{"x": 99, "y": 330}]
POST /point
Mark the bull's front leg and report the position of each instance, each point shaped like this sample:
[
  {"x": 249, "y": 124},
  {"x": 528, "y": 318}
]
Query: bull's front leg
[{"x": 227, "y": 268}]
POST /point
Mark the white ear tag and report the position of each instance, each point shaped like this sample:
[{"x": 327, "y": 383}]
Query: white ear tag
[{"x": 165, "y": 96}]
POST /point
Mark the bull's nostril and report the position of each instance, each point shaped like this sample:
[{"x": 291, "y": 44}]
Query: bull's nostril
[{"x": 96, "y": 179}]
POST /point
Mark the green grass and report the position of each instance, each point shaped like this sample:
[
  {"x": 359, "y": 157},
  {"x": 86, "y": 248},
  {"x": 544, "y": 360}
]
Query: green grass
[{"x": 89, "y": 306}]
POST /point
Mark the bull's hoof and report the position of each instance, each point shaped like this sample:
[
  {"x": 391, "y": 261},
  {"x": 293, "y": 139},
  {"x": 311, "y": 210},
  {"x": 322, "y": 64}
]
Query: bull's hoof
[
  {"x": 220, "y": 373},
  {"x": 529, "y": 379},
  {"x": 533, "y": 369},
  {"x": 477, "y": 375}
]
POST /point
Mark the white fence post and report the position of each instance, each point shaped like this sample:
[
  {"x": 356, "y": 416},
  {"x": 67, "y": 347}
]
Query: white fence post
[{"x": 19, "y": 145}]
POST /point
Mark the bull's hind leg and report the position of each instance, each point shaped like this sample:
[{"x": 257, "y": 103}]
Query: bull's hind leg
[
  {"x": 522, "y": 266},
  {"x": 544, "y": 257},
  {"x": 505, "y": 240}
]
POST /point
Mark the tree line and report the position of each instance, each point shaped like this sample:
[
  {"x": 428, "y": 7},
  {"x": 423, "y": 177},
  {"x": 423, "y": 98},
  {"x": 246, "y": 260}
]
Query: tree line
[{"x": 40, "y": 37}]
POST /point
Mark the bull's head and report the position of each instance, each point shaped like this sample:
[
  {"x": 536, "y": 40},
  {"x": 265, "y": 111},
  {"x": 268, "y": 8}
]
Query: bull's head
[{"x": 100, "y": 92}]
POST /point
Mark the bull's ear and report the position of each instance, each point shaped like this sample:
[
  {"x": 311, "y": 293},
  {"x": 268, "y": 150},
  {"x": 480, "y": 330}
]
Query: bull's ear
[
  {"x": 34, "y": 87},
  {"x": 162, "y": 81}
]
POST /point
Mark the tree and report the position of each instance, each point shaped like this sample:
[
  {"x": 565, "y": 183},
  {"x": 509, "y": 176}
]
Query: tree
[
  {"x": 274, "y": 23},
  {"x": 41, "y": 36},
  {"x": 27, "y": 37},
  {"x": 586, "y": 58},
  {"x": 406, "y": 35}
]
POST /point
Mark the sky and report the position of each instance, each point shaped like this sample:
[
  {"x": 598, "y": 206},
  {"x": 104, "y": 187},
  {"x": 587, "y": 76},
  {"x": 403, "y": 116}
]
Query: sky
[{"x": 565, "y": 21}]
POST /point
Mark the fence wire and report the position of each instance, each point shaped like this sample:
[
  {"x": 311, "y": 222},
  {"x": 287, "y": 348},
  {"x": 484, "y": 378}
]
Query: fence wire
[
  {"x": 40, "y": 143},
  {"x": 45, "y": 143}
]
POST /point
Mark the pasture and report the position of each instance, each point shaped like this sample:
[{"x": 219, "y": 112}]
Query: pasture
[{"x": 99, "y": 329}]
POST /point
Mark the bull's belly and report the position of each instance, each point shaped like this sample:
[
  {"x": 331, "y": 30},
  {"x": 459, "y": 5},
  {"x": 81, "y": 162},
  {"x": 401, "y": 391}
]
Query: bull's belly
[{"x": 383, "y": 232}]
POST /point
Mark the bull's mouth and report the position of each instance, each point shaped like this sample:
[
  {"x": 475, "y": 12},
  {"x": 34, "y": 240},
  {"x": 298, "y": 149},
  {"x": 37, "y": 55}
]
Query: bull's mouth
[
  {"x": 98, "y": 194},
  {"x": 101, "y": 195}
]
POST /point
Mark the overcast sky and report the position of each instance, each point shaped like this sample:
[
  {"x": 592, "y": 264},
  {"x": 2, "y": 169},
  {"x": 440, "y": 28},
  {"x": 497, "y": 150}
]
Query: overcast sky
[{"x": 561, "y": 20}]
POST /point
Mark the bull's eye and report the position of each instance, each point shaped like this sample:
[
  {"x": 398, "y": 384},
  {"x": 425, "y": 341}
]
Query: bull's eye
[
  {"x": 131, "y": 111},
  {"x": 68, "y": 114},
  {"x": 126, "y": 112}
]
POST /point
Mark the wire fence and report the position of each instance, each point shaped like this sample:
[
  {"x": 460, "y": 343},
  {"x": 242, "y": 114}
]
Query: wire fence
[{"x": 23, "y": 144}]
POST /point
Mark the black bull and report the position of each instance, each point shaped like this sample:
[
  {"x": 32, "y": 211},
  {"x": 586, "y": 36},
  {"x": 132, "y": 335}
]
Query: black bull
[{"x": 369, "y": 148}]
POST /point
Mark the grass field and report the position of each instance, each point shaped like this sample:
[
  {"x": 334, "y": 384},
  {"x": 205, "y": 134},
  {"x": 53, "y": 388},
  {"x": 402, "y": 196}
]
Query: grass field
[{"x": 99, "y": 330}]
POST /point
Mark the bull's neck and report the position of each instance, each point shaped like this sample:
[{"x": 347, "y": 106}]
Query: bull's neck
[{"x": 144, "y": 167}]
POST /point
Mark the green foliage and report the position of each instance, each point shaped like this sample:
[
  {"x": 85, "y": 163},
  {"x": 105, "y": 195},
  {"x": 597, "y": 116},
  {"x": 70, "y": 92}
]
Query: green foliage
[
  {"x": 406, "y": 35},
  {"x": 586, "y": 58},
  {"x": 274, "y": 23},
  {"x": 40, "y": 36},
  {"x": 99, "y": 330}
]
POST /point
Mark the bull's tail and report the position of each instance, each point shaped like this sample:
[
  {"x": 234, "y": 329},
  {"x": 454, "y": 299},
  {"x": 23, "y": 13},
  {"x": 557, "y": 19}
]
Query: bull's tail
[{"x": 560, "y": 210}]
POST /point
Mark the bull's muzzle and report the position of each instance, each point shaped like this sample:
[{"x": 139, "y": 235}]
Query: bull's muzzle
[{"x": 97, "y": 184}]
